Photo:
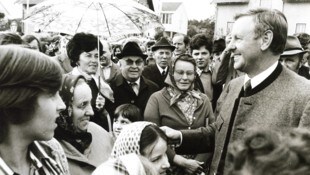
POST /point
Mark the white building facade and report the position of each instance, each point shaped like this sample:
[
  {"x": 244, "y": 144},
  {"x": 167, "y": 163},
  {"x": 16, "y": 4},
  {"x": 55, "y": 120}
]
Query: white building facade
[{"x": 297, "y": 13}]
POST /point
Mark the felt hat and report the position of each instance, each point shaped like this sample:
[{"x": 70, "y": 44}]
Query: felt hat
[
  {"x": 131, "y": 49},
  {"x": 292, "y": 46},
  {"x": 162, "y": 43}
]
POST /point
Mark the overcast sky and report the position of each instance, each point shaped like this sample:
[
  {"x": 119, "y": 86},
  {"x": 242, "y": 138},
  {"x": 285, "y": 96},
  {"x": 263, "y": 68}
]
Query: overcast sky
[
  {"x": 196, "y": 9},
  {"x": 199, "y": 9}
]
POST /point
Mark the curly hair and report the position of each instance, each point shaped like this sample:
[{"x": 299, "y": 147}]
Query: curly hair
[
  {"x": 82, "y": 42},
  {"x": 200, "y": 40}
]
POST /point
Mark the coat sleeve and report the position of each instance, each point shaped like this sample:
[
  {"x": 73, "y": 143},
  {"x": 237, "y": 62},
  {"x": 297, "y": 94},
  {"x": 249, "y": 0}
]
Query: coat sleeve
[
  {"x": 151, "y": 112},
  {"x": 200, "y": 140}
]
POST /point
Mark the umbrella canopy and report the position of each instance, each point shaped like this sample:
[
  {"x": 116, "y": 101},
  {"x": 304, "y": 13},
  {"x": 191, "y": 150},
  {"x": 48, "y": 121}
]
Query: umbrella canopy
[{"x": 101, "y": 17}]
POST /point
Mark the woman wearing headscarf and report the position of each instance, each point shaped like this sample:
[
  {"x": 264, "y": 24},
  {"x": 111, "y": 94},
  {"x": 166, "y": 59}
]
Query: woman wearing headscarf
[
  {"x": 140, "y": 138},
  {"x": 84, "y": 51},
  {"x": 86, "y": 144},
  {"x": 29, "y": 106},
  {"x": 178, "y": 105}
]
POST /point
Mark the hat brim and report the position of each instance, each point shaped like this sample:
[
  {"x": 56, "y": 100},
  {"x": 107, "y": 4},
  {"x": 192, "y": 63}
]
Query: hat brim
[
  {"x": 292, "y": 52},
  {"x": 158, "y": 47},
  {"x": 120, "y": 56}
]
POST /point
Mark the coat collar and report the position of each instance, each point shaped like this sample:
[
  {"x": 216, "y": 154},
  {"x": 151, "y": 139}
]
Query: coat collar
[
  {"x": 121, "y": 81},
  {"x": 167, "y": 96}
]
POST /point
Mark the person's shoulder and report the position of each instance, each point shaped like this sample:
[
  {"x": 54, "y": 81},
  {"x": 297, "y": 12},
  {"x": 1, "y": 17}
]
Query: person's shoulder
[
  {"x": 295, "y": 79},
  {"x": 52, "y": 144},
  {"x": 95, "y": 128},
  {"x": 149, "y": 69},
  {"x": 236, "y": 82},
  {"x": 150, "y": 83}
]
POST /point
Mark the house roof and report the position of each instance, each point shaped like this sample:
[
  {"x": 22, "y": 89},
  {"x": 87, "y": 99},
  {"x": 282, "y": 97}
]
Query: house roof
[
  {"x": 231, "y": 1},
  {"x": 30, "y": 1},
  {"x": 170, "y": 6}
]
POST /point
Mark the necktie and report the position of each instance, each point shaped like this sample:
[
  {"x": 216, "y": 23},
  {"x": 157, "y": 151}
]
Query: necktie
[
  {"x": 247, "y": 88},
  {"x": 134, "y": 87},
  {"x": 163, "y": 73}
]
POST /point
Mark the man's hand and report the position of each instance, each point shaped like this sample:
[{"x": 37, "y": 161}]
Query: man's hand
[{"x": 171, "y": 133}]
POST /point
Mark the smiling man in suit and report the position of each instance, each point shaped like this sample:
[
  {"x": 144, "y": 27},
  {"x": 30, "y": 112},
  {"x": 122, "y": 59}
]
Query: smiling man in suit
[{"x": 268, "y": 96}]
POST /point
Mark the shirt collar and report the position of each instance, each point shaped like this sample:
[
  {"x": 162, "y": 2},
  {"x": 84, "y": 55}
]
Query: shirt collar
[
  {"x": 161, "y": 69},
  {"x": 137, "y": 82},
  {"x": 262, "y": 76}
]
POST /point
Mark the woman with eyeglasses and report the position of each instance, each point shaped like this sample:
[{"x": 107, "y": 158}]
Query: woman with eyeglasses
[{"x": 178, "y": 105}]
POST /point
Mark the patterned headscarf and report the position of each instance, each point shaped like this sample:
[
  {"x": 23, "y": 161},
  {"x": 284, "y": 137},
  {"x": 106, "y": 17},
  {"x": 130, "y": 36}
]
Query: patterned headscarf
[
  {"x": 129, "y": 164},
  {"x": 65, "y": 129},
  {"x": 129, "y": 139},
  {"x": 186, "y": 101}
]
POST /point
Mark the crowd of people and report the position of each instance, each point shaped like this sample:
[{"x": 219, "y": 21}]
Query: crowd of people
[{"x": 179, "y": 106}]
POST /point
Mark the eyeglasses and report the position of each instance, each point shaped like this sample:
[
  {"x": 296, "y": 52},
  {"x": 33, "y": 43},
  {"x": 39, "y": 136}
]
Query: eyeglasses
[
  {"x": 130, "y": 62},
  {"x": 182, "y": 72}
]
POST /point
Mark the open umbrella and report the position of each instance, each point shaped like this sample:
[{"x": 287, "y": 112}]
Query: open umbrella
[{"x": 101, "y": 17}]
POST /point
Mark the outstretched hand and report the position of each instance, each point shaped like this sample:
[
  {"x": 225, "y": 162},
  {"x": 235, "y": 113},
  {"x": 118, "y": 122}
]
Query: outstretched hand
[{"x": 171, "y": 133}]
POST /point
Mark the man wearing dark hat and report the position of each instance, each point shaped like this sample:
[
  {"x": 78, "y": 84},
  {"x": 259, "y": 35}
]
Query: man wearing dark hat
[
  {"x": 292, "y": 57},
  {"x": 162, "y": 53},
  {"x": 130, "y": 86}
]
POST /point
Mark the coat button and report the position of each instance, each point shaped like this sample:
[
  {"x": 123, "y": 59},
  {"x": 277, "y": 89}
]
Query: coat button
[{"x": 132, "y": 101}]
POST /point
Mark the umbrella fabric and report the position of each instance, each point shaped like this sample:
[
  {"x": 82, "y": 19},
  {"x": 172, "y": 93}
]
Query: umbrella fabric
[{"x": 101, "y": 17}]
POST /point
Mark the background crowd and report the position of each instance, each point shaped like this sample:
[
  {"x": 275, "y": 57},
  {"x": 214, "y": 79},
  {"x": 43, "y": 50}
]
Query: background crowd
[{"x": 81, "y": 105}]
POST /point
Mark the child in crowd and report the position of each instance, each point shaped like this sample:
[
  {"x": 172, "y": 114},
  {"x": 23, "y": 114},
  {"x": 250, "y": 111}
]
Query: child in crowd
[{"x": 123, "y": 115}]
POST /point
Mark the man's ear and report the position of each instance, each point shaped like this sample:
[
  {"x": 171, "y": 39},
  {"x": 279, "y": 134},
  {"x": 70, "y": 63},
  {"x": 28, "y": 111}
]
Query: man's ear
[{"x": 266, "y": 40}]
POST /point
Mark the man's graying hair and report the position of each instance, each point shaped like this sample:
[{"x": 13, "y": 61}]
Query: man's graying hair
[{"x": 272, "y": 20}]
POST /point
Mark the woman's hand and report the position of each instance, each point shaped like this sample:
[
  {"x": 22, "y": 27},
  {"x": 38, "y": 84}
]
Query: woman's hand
[{"x": 100, "y": 102}]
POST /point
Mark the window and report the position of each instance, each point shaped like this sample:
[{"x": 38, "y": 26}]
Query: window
[
  {"x": 166, "y": 18},
  {"x": 229, "y": 27},
  {"x": 300, "y": 27}
]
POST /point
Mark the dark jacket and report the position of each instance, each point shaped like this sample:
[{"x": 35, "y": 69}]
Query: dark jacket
[
  {"x": 304, "y": 71},
  {"x": 152, "y": 73},
  {"x": 123, "y": 93}
]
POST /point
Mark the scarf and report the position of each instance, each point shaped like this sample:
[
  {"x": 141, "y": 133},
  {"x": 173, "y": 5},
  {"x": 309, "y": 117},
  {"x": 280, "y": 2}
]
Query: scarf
[
  {"x": 65, "y": 129},
  {"x": 186, "y": 101},
  {"x": 129, "y": 164},
  {"x": 128, "y": 140}
]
